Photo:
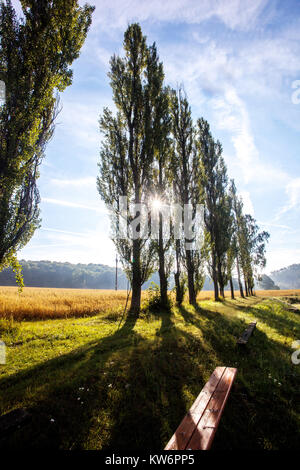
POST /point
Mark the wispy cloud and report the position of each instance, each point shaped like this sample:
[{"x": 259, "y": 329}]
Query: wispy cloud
[
  {"x": 68, "y": 232},
  {"x": 235, "y": 14},
  {"x": 293, "y": 195},
  {"x": 231, "y": 114},
  {"x": 92, "y": 246},
  {"x": 60, "y": 202},
  {"x": 75, "y": 182}
]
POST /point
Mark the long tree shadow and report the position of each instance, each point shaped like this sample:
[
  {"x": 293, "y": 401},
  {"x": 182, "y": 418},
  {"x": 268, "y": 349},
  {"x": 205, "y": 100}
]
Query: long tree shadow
[
  {"x": 278, "y": 318},
  {"x": 266, "y": 382},
  {"x": 60, "y": 405},
  {"x": 158, "y": 376},
  {"x": 130, "y": 391}
]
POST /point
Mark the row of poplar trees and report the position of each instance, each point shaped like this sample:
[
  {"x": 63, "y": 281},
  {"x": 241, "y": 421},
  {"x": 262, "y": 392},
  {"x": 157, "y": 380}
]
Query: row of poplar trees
[{"x": 152, "y": 149}]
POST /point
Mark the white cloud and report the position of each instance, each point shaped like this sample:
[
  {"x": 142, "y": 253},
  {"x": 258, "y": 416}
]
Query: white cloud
[
  {"x": 293, "y": 194},
  {"x": 280, "y": 258},
  {"x": 271, "y": 224},
  {"x": 68, "y": 232},
  {"x": 91, "y": 246},
  {"x": 76, "y": 182},
  {"x": 248, "y": 205},
  {"x": 231, "y": 114},
  {"x": 75, "y": 205},
  {"x": 235, "y": 14}
]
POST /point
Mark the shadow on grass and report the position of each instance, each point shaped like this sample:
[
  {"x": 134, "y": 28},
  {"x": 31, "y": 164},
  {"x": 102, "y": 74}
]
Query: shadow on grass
[
  {"x": 129, "y": 392},
  {"x": 266, "y": 382},
  {"x": 278, "y": 318}
]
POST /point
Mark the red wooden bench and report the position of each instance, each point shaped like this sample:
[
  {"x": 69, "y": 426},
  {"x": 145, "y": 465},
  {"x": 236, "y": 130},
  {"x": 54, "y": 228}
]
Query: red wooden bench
[{"x": 197, "y": 429}]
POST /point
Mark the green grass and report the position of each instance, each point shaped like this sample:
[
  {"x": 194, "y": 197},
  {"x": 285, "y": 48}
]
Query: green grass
[{"x": 90, "y": 385}]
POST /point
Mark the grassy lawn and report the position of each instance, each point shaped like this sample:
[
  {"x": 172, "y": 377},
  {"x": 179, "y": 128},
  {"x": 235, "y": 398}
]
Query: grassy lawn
[{"x": 90, "y": 385}]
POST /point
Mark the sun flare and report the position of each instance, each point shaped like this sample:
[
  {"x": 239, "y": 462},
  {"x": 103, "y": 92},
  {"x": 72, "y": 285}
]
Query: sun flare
[{"x": 156, "y": 204}]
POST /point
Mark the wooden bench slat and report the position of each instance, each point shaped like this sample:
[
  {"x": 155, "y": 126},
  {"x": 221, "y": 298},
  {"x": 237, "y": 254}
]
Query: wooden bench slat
[
  {"x": 204, "y": 432},
  {"x": 197, "y": 429},
  {"x": 247, "y": 333},
  {"x": 187, "y": 426}
]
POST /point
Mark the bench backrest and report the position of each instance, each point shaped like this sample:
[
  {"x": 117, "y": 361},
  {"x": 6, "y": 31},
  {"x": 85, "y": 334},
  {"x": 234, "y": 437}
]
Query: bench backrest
[{"x": 197, "y": 429}]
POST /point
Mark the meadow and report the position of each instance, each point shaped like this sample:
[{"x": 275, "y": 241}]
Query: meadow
[
  {"x": 36, "y": 303},
  {"x": 92, "y": 378}
]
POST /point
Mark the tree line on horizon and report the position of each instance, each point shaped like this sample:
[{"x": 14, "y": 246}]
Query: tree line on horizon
[
  {"x": 153, "y": 150},
  {"x": 58, "y": 274}
]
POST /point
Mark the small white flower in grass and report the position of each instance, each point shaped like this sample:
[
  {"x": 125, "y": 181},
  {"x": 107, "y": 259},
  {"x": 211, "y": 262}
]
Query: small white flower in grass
[
  {"x": 52, "y": 420},
  {"x": 110, "y": 385}
]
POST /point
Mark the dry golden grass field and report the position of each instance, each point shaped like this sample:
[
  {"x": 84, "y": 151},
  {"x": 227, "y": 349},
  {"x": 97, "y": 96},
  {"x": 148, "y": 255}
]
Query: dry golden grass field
[{"x": 45, "y": 303}]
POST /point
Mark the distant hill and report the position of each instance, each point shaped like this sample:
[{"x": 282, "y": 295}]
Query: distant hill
[
  {"x": 75, "y": 276},
  {"x": 96, "y": 276},
  {"x": 266, "y": 283},
  {"x": 287, "y": 278},
  {"x": 67, "y": 275}
]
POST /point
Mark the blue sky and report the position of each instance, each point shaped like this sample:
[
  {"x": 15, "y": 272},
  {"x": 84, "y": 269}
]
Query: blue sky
[{"x": 237, "y": 60}]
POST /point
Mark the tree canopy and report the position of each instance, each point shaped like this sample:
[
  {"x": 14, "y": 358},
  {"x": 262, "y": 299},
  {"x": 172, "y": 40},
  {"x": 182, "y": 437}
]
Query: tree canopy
[{"x": 36, "y": 54}]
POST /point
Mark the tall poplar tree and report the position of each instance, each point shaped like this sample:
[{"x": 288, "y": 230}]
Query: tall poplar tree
[
  {"x": 237, "y": 207},
  {"x": 213, "y": 179},
  {"x": 253, "y": 247},
  {"x": 186, "y": 182},
  {"x": 128, "y": 148},
  {"x": 162, "y": 191},
  {"x": 36, "y": 53}
]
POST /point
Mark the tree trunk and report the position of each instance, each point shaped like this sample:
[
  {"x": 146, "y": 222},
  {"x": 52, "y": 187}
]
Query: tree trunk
[
  {"x": 135, "y": 306},
  {"x": 164, "y": 301},
  {"x": 220, "y": 278},
  {"x": 116, "y": 277},
  {"x": 231, "y": 288},
  {"x": 215, "y": 280},
  {"x": 239, "y": 278},
  {"x": 221, "y": 290},
  {"x": 179, "y": 293},
  {"x": 162, "y": 272},
  {"x": 246, "y": 289},
  {"x": 251, "y": 285},
  {"x": 190, "y": 273}
]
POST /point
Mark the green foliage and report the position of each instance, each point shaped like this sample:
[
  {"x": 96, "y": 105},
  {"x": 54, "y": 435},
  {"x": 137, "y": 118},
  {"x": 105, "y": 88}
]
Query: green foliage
[
  {"x": 151, "y": 149},
  {"x": 128, "y": 147},
  {"x": 12, "y": 262},
  {"x": 153, "y": 297},
  {"x": 36, "y": 53},
  {"x": 218, "y": 204},
  {"x": 10, "y": 330},
  {"x": 187, "y": 188}
]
